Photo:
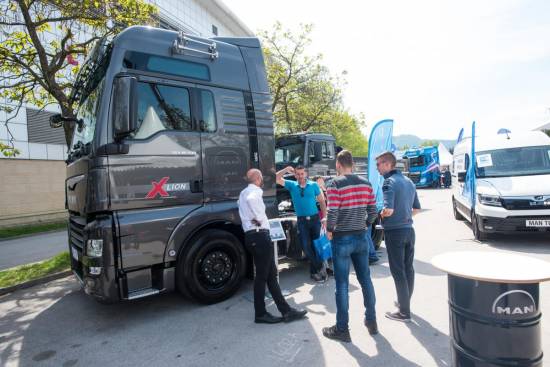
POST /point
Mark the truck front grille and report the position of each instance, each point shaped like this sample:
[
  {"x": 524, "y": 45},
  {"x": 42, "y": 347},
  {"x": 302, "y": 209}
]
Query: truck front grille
[
  {"x": 415, "y": 177},
  {"x": 76, "y": 243},
  {"x": 524, "y": 204}
]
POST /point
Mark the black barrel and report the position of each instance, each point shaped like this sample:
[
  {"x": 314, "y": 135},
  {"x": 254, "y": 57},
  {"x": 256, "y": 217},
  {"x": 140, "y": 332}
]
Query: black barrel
[{"x": 494, "y": 324}]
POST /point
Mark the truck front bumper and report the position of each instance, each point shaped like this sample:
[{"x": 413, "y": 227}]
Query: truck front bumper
[{"x": 512, "y": 224}]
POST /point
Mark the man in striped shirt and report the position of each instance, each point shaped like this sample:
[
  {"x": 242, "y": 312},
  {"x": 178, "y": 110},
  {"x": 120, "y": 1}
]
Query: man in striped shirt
[{"x": 350, "y": 201}]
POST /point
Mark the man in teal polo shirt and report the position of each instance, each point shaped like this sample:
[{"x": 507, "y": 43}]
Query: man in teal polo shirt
[{"x": 305, "y": 195}]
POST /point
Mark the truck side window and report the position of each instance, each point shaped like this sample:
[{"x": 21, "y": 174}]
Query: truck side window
[
  {"x": 330, "y": 146},
  {"x": 328, "y": 150},
  {"x": 208, "y": 123},
  {"x": 162, "y": 107}
]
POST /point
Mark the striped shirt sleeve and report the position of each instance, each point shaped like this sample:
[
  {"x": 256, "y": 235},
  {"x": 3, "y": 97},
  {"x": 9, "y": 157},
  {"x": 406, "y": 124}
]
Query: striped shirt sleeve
[{"x": 334, "y": 202}]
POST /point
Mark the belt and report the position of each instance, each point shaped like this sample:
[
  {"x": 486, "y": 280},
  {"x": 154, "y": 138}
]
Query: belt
[
  {"x": 309, "y": 217},
  {"x": 257, "y": 230}
]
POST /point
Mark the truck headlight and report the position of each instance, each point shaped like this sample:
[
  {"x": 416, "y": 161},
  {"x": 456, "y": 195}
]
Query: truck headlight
[
  {"x": 94, "y": 248},
  {"x": 490, "y": 200}
]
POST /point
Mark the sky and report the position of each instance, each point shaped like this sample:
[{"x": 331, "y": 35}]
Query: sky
[{"x": 433, "y": 66}]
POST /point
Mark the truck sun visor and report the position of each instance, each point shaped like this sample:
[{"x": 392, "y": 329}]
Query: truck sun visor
[{"x": 165, "y": 65}]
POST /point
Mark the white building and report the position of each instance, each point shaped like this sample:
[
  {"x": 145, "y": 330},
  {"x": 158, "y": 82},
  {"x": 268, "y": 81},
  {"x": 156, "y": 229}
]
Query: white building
[{"x": 43, "y": 149}]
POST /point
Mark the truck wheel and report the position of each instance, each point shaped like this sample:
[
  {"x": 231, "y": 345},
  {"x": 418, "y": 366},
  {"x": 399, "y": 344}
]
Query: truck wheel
[
  {"x": 456, "y": 213},
  {"x": 478, "y": 234},
  {"x": 211, "y": 269}
]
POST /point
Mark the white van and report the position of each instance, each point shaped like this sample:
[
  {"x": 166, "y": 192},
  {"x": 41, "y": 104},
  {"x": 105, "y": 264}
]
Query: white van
[{"x": 512, "y": 183}]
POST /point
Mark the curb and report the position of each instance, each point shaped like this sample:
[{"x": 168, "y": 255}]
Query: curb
[
  {"x": 32, "y": 283},
  {"x": 23, "y": 236}
]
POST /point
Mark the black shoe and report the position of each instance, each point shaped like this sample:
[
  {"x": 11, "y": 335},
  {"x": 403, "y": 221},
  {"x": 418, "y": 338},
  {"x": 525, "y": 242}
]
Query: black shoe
[
  {"x": 398, "y": 316},
  {"x": 318, "y": 277},
  {"x": 372, "y": 326},
  {"x": 267, "y": 318},
  {"x": 373, "y": 261},
  {"x": 333, "y": 333},
  {"x": 294, "y": 314}
]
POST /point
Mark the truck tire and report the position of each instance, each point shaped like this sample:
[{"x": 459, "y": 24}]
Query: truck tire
[
  {"x": 212, "y": 267},
  {"x": 456, "y": 213},
  {"x": 478, "y": 234}
]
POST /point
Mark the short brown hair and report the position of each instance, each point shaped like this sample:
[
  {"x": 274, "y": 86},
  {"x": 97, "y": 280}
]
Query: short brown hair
[
  {"x": 345, "y": 158},
  {"x": 387, "y": 157}
]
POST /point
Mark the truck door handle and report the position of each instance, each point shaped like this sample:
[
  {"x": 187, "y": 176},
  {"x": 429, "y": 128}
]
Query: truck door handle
[{"x": 196, "y": 186}]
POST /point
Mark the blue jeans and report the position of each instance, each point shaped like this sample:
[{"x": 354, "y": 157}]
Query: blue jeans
[
  {"x": 346, "y": 250},
  {"x": 309, "y": 230},
  {"x": 373, "y": 256}
]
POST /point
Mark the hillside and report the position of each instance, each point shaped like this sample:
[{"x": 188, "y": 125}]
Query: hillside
[{"x": 413, "y": 140}]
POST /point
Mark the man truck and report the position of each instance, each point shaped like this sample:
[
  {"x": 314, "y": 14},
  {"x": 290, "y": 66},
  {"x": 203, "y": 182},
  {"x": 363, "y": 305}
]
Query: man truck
[
  {"x": 166, "y": 127},
  {"x": 423, "y": 165}
]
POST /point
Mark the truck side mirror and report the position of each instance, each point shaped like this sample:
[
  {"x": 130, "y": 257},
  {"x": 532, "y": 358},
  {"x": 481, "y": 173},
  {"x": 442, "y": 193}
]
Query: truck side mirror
[
  {"x": 124, "y": 106},
  {"x": 461, "y": 176}
]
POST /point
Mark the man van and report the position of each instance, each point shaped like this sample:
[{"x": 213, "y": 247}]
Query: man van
[{"x": 512, "y": 183}]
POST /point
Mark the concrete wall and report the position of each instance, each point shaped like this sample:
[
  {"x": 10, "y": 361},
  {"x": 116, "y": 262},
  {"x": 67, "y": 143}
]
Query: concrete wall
[{"x": 31, "y": 191}]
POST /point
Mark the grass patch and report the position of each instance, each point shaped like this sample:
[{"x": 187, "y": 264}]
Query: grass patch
[
  {"x": 28, "y": 272},
  {"x": 24, "y": 230}
]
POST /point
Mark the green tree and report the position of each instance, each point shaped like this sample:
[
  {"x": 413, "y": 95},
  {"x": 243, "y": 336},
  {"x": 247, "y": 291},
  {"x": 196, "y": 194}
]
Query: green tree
[
  {"x": 306, "y": 96},
  {"x": 429, "y": 143},
  {"x": 41, "y": 42}
]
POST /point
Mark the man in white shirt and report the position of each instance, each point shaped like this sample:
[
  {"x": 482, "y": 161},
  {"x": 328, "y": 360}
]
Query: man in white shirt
[{"x": 257, "y": 240}]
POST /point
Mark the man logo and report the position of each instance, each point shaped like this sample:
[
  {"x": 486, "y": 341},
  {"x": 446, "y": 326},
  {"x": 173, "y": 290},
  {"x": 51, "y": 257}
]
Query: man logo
[{"x": 515, "y": 302}]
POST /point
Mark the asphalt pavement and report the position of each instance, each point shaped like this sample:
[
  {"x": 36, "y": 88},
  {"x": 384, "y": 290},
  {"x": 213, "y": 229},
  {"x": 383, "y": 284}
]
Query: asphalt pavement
[
  {"x": 58, "y": 325},
  {"x": 33, "y": 248}
]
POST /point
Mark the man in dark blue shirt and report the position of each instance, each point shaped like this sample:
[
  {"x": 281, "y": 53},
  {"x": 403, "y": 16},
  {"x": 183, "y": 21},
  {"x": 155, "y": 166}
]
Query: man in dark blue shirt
[
  {"x": 400, "y": 204},
  {"x": 305, "y": 195}
]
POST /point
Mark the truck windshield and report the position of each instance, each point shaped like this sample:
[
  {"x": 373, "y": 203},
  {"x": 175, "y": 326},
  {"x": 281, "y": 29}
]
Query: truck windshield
[
  {"x": 416, "y": 161},
  {"x": 290, "y": 153},
  {"x": 522, "y": 161},
  {"x": 87, "y": 92}
]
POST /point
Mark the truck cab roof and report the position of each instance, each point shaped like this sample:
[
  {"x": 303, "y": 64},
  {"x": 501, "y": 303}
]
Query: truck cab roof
[
  {"x": 504, "y": 141},
  {"x": 231, "y": 62},
  {"x": 303, "y": 136}
]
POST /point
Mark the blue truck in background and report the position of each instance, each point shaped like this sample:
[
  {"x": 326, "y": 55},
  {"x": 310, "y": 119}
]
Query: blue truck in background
[{"x": 424, "y": 168}]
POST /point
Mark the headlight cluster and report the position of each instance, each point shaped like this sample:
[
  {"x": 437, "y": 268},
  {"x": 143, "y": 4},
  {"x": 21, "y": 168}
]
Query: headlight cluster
[
  {"x": 490, "y": 200},
  {"x": 94, "y": 248}
]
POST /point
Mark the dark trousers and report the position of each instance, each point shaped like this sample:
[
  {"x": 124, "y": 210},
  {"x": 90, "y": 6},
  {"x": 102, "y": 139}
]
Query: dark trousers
[
  {"x": 309, "y": 230},
  {"x": 260, "y": 246},
  {"x": 400, "y": 248}
]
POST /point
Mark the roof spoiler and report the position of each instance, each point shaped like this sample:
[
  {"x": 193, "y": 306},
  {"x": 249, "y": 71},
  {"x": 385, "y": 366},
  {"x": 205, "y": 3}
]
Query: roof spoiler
[{"x": 252, "y": 42}]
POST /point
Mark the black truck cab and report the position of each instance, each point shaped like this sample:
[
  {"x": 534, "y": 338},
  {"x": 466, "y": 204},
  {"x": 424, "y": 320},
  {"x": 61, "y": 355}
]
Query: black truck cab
[{"x": 166, "y": 128}]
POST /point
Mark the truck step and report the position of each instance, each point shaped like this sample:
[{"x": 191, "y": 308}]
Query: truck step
[{"x": 143, "y": 293}]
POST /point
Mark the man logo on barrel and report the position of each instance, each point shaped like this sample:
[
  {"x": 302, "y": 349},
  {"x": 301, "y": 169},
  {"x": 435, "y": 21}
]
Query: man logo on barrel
[{"x": 512, "y": 306}]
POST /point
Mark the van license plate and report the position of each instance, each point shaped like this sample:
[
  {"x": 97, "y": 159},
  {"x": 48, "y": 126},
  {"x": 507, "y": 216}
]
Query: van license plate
[
  {"x": 74, "y": 252},
  {"x": 538, "y": 223}
]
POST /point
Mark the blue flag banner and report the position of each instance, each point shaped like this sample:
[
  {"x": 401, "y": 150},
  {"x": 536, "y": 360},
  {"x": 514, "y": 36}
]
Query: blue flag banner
[
  {"x": 380, "y": 141},
  {"x": 470, "y": 181},
  {"x": 460, "y": 135}
]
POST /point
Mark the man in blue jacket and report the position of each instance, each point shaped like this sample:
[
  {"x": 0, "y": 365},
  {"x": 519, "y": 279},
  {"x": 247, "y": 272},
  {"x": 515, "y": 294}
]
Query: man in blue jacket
[{"x": 400, "y": 204}]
